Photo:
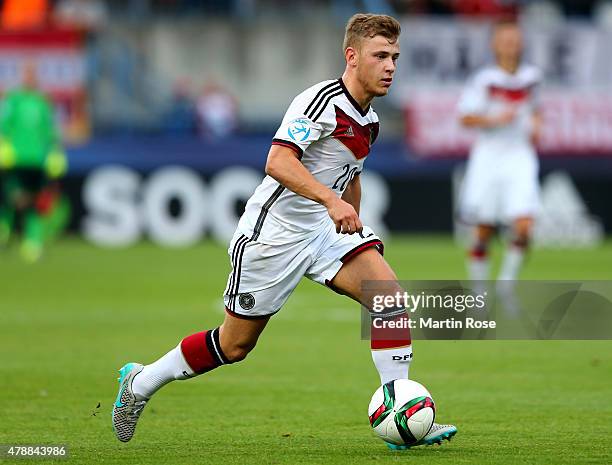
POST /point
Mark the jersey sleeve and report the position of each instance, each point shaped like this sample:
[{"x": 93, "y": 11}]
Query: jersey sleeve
[
  {"x": 297, "y": 131},
  {"x": 473, "y": 100}
]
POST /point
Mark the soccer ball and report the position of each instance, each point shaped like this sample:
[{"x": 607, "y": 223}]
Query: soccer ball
[{"x": 402, "y": 412}]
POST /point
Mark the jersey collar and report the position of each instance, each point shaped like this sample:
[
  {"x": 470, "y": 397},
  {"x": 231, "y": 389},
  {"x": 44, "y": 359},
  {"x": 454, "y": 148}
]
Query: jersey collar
[{"x": 350, "y": 98}]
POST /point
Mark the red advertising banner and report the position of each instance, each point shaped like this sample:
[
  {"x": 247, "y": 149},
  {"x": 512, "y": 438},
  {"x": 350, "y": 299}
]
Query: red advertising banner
[
  {"x": 575, "y": 123},
  {"x": 440, "y": 56},
  {"x": 59, "y": 56}
]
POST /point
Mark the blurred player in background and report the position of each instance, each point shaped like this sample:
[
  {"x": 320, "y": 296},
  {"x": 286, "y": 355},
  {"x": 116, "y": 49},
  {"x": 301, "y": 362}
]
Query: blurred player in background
[
  {"x": 501, "y": 181},
  {"x": 303, "y": 220},
  {"x": 31, "y": 161}
]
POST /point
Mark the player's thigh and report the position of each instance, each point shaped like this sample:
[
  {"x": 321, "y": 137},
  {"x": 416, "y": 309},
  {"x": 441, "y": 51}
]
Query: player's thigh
[
  {"x": 13, "y": 185},
  {"x": 522, "y": 198},
  {"x": 263, "y": 276},
  {"x": 478, "y": 198},
  {"x": 26, "y": 185},
  {"x": 368, "y": 265},
  {"x": 522, "y": 226},
  {"x": 484, "y": 232}
]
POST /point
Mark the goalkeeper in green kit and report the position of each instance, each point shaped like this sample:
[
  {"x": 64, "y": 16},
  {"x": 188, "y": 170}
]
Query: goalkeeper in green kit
[{"x": 31, "y": 162}]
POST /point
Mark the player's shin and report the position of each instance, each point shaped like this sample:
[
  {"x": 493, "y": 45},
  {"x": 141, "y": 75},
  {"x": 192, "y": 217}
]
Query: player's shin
[
  {"x": 391, "y": 345},
  {"x": 513, "y": 259},
  {"x": 195, "y": 355},
  {"x": 478, "y": 262}
]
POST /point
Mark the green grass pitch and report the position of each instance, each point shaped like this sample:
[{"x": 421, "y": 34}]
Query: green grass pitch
[{"x": 68, "y": 323}]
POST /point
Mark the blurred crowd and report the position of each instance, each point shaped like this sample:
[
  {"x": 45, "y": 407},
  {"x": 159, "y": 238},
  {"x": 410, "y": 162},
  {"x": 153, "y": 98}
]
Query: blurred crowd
[
  {"x": 119, "y": 74},
  {"x": 39, "y": 14},
  {"x": 93, "y": 14}
]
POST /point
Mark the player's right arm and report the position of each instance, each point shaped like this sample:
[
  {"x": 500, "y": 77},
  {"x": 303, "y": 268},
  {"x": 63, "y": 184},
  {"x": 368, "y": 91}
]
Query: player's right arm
[
  {"x": 475, "y": 120},
  {"x": 284, "y": 165}
]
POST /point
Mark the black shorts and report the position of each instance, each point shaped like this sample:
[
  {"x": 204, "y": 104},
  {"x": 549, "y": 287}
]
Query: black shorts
[{"x": 29, "y": 180}]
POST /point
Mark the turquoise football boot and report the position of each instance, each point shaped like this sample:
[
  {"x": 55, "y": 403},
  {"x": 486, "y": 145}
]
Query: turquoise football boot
[
  {"x": 436, "y": 435},
  {"x": 127, "y": 407}
]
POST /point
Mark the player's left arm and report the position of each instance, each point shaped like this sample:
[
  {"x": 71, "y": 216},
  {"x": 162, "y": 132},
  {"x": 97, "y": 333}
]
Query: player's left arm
[
  {"x": 537, "y": 119},
  {"x": 352, "y": 193},
  {"x": 56, "y": 163}
]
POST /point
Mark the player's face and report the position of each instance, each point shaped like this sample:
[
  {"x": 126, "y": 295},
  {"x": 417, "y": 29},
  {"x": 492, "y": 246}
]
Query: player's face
[
  {"x": 376, "y": 65},
  {"x": 508, "y": 43}
]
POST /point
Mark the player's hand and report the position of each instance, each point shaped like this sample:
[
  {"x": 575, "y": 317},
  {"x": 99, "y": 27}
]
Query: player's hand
[
  {"x": 344, "y": 216},
  {"x": 7, "y": 155},
  {"x": 56, "y": 164},
  {"x": 504, "y": 118}
]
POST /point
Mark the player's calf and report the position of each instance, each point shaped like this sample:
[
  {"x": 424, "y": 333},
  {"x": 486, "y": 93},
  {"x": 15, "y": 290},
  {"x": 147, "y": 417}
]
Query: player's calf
[
  {"x": 478, "y": 254},
  {"x": 236, "y": 352},
  {"x": 196, "y": 354},
  {"x": 515, "y": 255}
]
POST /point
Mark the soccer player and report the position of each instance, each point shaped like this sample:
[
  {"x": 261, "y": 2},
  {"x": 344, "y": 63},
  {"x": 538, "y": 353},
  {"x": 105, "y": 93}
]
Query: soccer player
[
  {"x": 501, "y": 180},
  {"x": 303, "y": 220},
  {"x": 31, "y": 161}
]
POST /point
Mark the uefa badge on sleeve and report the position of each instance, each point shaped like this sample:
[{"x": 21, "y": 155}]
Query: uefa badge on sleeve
[{"x": 299, "y": 130}]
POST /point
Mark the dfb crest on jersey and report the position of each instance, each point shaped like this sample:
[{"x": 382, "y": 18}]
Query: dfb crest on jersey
[
  {"x": 299, "y": 129},
  {"x": 246, "y": 301}
]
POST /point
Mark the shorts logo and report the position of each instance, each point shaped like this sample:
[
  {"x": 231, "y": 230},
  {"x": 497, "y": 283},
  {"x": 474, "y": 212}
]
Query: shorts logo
[
  {"x": 299, "y": 130},
  {"x": 246, "y": 301}
]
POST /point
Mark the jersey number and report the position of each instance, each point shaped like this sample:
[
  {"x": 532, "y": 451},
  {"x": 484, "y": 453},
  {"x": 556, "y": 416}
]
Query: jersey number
[{"x": 346, "y": 176}]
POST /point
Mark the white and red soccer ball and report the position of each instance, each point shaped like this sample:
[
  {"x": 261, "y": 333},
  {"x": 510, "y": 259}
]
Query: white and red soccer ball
[{"x": 402, "y": 412}]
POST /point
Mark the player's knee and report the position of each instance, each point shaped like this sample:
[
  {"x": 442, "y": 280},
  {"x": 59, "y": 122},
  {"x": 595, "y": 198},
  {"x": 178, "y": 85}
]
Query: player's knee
[
  {"x": 522, "y": 229},
  {"x": 521, "y": 240},
  {"x": 484, "y": 234}
]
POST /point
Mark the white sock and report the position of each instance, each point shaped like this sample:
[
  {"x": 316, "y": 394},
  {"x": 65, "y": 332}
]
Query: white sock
[
  {"x": 478, "y": 268},
  {"x": 392, "y": 363},
  {"x": 170, "y": 367},
  {"x": 513, "y": 260}
]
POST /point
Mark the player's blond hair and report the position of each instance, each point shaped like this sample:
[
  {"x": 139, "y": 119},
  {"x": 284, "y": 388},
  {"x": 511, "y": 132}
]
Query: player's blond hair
[{"x": 365, "y": 26}]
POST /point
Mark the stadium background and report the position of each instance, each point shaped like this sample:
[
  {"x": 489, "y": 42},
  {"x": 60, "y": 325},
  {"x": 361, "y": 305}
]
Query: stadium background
[
  {"x": 202, "y": 85},
  {"x": 167, "y": 109}
]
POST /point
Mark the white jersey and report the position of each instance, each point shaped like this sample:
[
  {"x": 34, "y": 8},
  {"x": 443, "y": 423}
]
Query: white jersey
[
  {"x": 332, "y": 135},
  {"x": 501, "y": 179},
  {"x": 490, "y": 92}
]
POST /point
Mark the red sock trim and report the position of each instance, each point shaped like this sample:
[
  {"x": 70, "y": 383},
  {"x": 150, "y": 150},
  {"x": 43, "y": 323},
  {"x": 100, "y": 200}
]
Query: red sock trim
[
  {"x": 198, "y": 352},
  {"x": 478, "y": 254},
  {"x": 479, "y": 251},
  {"x": 44, "y": 201},
  {"x": 390, "y": 338}
]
